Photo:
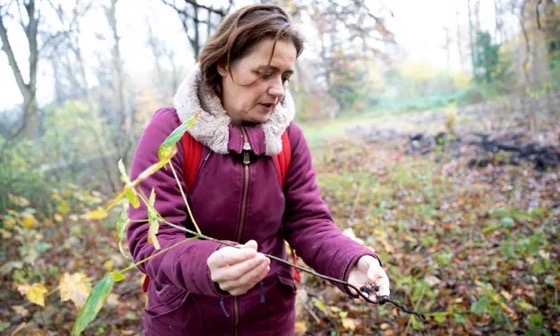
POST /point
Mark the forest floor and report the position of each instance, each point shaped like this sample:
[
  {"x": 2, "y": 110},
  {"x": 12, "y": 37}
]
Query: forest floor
[{"x": 469, "y": 235}]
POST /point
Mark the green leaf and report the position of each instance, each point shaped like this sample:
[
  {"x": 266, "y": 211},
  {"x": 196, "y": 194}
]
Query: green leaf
[
  {"x": 459, "y": 318},
  {"x": 550, "y": 280},
  {"x": 320, "y": 305},
  {"x": 122, "y": 223},
  {"x": 174, "y": 137},
  {"x": 507, "y": 222},
  {"x": 132, "y": 197},
  {"x": 439, "y": 317},
  {"x": 490, "y": 227},
  {"x": 118, "y": 276},
  {"x": 498, "y": 213},
  {"x": 94, "y": 303},
  {"x": 536, "y": 319}
]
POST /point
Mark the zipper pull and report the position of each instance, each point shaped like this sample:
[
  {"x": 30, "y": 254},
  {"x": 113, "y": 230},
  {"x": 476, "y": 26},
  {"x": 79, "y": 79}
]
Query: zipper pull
[{"x": 246, "y": 156}]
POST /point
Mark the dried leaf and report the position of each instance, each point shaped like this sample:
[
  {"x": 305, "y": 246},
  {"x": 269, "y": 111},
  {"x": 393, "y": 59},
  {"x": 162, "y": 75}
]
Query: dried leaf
[
  {"x": 74, "y": 287},
  {"x": 20, "y": 310},
  {"x": 34, "y": 293},
  {"x": 153, "y": 221}
]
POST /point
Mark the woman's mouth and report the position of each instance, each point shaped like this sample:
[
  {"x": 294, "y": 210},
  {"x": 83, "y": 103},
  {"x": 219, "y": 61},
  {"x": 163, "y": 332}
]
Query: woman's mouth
[{"x": 267, "y": 105}]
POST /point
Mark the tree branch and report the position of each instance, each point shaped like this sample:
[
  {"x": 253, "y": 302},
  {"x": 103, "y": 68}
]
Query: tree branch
[{"x": 7, "y": 47}]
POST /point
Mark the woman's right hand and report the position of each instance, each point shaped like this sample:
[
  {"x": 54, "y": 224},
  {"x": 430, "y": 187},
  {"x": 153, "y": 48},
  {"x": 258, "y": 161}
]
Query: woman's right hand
[{"x": 236, "y": 270}]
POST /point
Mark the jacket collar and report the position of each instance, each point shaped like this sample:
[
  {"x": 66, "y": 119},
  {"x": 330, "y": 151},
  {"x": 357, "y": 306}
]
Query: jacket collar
[{"x": 212, "y": 126}]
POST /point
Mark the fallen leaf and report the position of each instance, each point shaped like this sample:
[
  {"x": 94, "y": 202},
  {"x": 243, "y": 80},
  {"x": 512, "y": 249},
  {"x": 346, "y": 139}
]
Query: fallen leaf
[
  {"x": 28, "y": 221},
  {"x": 74, "y": 287},
  {"x": 34, "y": 293},
  {"x": 20, "y": 310},
  {"x": 349, "y": 323},
  {"x": 301, "y": 328}
]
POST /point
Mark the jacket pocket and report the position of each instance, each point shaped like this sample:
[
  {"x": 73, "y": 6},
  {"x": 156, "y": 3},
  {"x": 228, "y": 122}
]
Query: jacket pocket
[
  {"x": 174, "y": 311},
  {"x": 286, "y": 279}
]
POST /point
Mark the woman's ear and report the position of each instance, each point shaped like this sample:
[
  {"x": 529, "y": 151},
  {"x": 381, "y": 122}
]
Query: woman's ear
[{"x": 222, "y": 70}]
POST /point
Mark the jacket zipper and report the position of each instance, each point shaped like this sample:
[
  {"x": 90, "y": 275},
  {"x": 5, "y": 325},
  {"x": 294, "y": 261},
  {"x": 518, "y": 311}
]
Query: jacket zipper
[{"x": 246, "y": 162}]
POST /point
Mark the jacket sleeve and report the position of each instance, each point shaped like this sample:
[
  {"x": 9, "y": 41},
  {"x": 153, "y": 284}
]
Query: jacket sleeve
[
  {"x": 308, "y": 223},
  {"x": 183, "y": 266}
]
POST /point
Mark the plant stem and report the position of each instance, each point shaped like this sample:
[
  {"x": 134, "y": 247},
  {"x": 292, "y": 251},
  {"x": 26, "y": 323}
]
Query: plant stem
[
  {"x": 379, "y": 299},
  {"x": 155, "y": 255},
  {"x": 185, "y": 200}
]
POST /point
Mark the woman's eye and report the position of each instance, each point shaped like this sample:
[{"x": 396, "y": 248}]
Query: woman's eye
[
  {"x": 266, "y": 75},
  {"x": 285, "y": 79}
]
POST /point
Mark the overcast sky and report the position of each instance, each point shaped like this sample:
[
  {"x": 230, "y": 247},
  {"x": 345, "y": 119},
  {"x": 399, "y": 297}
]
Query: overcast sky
[{"x": 417, "y": 25}]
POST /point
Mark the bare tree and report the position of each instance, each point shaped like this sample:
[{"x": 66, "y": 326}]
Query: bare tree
[
  {"x": 28, "y": 18},
  {"x": 198, "y": 20},
  {"x": 349, "y": 33},
  {"x": 123, "y": 138}
]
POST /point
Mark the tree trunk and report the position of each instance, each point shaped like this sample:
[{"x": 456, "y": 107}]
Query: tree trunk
[
  {"x": 552, "y": 32},
  {"x": 30, "y": 122}
]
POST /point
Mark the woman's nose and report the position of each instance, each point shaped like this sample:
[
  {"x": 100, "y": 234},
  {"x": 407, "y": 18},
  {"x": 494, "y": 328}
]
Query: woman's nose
[{"x": 276, "y": 87}]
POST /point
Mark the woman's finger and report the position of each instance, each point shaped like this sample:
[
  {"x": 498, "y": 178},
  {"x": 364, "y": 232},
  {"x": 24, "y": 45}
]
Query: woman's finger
[
  {"x": 379, "y": 277},
  {"x": 242, "y": 285},
  {"x": 236, "y": 271},
  {"x": 229, "y": 256}
]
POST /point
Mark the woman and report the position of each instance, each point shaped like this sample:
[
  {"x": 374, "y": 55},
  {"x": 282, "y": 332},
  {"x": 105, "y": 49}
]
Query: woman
[{"x": 239, "y": 90}]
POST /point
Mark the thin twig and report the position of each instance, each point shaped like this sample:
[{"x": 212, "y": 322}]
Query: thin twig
[{"x": 379, "y": 299}]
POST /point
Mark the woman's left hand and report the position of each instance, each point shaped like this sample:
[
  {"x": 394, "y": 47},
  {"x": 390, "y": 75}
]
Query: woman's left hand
[{"x": 368, "y": 270}]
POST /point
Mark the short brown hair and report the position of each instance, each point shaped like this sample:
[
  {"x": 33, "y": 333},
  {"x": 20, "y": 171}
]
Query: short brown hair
[{"x": 239, "y": 32}]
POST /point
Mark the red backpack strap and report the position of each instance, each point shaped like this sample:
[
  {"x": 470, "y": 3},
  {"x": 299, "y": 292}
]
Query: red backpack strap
[
  {"x": 192, "y": 155},
  {"x": 282, "y": 160}
]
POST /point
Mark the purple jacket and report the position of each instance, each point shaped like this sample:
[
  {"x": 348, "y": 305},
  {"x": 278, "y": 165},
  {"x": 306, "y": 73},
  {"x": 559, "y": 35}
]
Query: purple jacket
[{"x": 232, "y": 201}]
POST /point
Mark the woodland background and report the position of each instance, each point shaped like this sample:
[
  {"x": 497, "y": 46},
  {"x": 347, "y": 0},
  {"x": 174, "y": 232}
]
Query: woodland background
[{"x": 450, "y": 172}]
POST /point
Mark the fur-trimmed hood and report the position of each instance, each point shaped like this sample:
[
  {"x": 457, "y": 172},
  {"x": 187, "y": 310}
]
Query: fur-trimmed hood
[{"x": 212, "y": 125}]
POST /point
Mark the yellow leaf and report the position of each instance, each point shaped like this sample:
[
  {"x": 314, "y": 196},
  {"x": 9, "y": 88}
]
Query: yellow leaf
[
  {"x": 5, "y": 234},
  {"x": 108, "y": 265},
  {"x": 74, "y": 287},
  {"x": 97, "y": 214},
  {"x": 28, "y": 221},
  {"x": 152, "y": 235},
  {"x": 349, "y": 323},
  {"x": 9, "y": 221},
  {"x": 58, "y": 217},
  {"x": 64, "y": 207},
  {"x": 301, "y": 328},
  {"x": 153, "y": 222},
  {"x": 34, "y": 293}
]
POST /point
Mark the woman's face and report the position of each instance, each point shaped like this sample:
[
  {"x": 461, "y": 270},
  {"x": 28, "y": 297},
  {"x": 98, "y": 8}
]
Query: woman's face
[{"x": 254, "y": 86}]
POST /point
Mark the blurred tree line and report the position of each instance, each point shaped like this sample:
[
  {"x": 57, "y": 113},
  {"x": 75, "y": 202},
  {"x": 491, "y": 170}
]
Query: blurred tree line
[{"x": 352, "y": 64}]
